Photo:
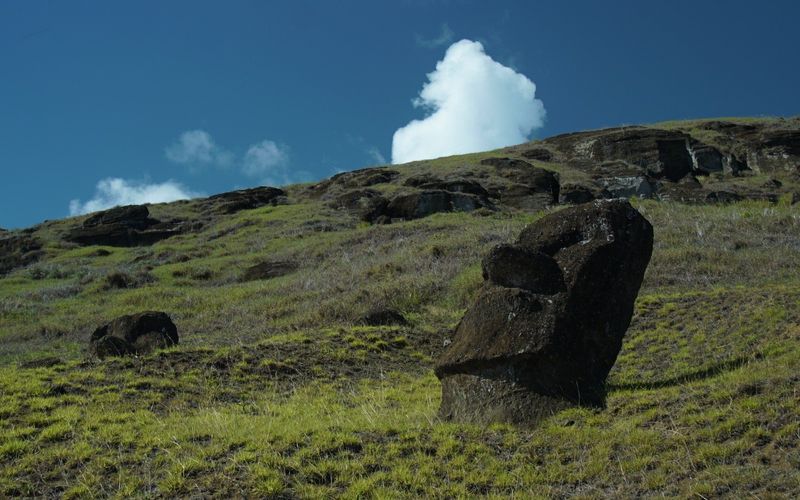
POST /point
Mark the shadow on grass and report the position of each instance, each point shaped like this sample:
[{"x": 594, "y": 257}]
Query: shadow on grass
[{"x": 709, "y": 372}]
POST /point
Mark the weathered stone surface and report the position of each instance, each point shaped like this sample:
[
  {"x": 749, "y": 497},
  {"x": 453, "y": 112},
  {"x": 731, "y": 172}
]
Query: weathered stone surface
[
  {"x": 18, "y": 250},
  {"x": 540, "y": 154},
  {"x": 687, "y": 190},
  {"x": 367, "y": 204},
  {"x": 532, "y": 188},
  {"x": 731, "y": 164},
  {"x": 706, "y": 159},
  {"x": 627, "y": 187},
  {"x": 575, "y": 194},
  {"x": 662, "y": 153},
  {"x": 268, "y": 270},
  {"x": 517, "y": 267},
  {"x": 456, "y": 186},
  {"x": 424, "y": 203},
  {"x": 246, "y": 199},
  {"x": 538, "y": 340},
  {"x": 355, "y": 179},
  {"x": 786, "y": 142},
  {"x": 125, "y": 226},
  {"x": 134, "y": 334}
]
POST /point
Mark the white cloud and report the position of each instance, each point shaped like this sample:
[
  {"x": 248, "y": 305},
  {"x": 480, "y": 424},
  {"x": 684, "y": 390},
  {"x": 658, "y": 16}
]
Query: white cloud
[
  {"x": 475, "y": 104},
  {"x": 196, "y": 147},
  {"x": 112, "y": 192},
  {"x": 376, "y": 155},
  {"x": 266, "y": 157},
  {"x": 445, "y": 37}
]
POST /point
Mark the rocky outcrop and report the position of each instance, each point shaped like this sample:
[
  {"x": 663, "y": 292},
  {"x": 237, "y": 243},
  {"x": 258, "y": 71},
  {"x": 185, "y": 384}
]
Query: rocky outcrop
[
  {"x": 126, "y": 226},
  {"x": 540, "y": 154},
  {"x": 659, "y": 153},
  {"x": 367, "y": 204},
  {"x": 456, "y": 186},
  {"x": 134, "y": 334},
  {"x": 424, "y": 203},
  {"x": 246, "y": 199},
  {"x": 628, "y": 187},
  {"x": 363, "y": 178},
  {"x": 575, "y": 194},
  {"x": 706, "y": 159},
  {"x": 532, "y": 188},
  {"x": 18, "y": 250},
  {"x": 548, "y": 323}
]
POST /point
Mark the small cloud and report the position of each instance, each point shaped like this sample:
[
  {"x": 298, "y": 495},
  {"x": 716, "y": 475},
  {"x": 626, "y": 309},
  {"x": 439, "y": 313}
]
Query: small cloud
[
  {"x": 444, "y": 38},
  {"x": 196, "y": 147},
  {"x": 475, "y": 104},
  {"x": 112, "y": 192},
  {"x": 266, "y": 157},
  {"x": 376, "y": 155}
]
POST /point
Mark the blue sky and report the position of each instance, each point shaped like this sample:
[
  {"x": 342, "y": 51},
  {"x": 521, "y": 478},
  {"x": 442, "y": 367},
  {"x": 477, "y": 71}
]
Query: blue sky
[{"x": 163, "y": 99}]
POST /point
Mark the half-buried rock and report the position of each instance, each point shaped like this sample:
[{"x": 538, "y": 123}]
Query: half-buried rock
[
  {"x": 548, "y": 323},
  {"x": 134, "y": 334}
]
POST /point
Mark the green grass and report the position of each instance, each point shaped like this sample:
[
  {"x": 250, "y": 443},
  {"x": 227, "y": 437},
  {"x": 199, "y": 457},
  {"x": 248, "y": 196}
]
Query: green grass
[{"x": 274, "y": 391}]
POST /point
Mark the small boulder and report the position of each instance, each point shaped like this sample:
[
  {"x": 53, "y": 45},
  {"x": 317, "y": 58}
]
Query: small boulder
[
  {"x": 383, "y": 317},
  {"x": 134, "y": 334},
  {"x": 723, "y": 197},
  {"x": 548, "y": 323}
]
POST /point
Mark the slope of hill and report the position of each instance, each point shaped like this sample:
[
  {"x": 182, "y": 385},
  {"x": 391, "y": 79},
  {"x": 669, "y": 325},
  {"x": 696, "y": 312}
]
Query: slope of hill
[{"x": 279, "y": 386}]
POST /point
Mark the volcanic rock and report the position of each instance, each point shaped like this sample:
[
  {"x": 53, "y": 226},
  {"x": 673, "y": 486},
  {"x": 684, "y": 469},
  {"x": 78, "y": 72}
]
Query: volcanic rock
[
  {"x": 687, "y": 190},
  {"x": 17, "y": 250},
  {"x": 356, "y": 179},
  {"x": 456, "y": 186},
  {"x": 383, "y": 317},
  {"x": 246, "y": 199},
  {"x": 134, "y": 334},
  {"x": 532, "y": 188},
  {"x": 125, "y": 226},
  {"x": 723, "y": 197},
  {"x": 548, "y": 323},
  {"x": 627, "y": 187},
  {"x": 575, "y": 194},
  {"x": 425, "y": 203},
  {"x": 663, "y": 153},
  {"x": 369, "y": 205},
  {"x": 540, "y": 154},
  {"x": 706, "y": 160}
]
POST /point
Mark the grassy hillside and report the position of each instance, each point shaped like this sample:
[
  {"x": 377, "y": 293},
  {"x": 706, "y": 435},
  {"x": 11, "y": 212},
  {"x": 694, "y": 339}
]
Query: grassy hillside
[{"x": 275, "y": 390}]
